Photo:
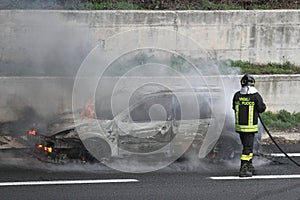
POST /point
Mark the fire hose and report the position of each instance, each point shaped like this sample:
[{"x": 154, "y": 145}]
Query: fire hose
[{"x": 271, "y": 137}]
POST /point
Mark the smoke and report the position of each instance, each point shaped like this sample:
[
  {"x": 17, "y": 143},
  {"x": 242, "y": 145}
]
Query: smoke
[
  {"x": 39, "y": 57},
  {"x": 19, "y": 159},
  {"x": 24, "y": 160},
  {"x": 47, "y": 46},
  {"x": 138, "y": 59},
  {"x": 115, "y": 73}
]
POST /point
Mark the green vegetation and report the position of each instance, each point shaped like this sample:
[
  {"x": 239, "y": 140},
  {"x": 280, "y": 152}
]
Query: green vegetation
[
  {"x": 113, "y": 6},
  {"x": 226, "y": 67},
  {"x": 150, "y": 4},
  {"x": 192, "y": 4},
  {"x": 282, "y": 120},
  {"x": 269, "y": 68},
  {"x": 214, "y": 6},
  {"x": 161, "y": 5}
]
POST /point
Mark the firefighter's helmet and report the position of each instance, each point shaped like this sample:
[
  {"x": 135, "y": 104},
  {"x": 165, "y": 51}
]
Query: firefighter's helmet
[{"x": 247, "y": 80}]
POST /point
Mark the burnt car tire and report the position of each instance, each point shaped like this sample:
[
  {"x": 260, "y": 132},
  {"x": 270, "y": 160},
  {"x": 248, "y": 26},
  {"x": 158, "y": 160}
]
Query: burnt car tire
[
  {"x": 226, "y": 148},
  {"x": 98, "y": 148}
]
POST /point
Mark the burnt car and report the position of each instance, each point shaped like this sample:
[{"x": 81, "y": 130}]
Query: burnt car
[{"x": 164, "y": 122}]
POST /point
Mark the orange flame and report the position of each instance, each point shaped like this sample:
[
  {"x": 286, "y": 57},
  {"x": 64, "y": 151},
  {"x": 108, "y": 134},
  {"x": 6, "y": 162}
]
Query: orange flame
[
  {"x": 88, "y": 110},
  {"x": 48, "y": 149},
  {"x": 32, "y": 132},
  {"x": 45, "y": 148}
]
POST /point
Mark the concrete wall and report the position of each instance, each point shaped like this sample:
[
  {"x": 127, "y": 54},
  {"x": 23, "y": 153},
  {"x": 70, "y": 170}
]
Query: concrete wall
[
  {"x": 56, "y": 42},
  {"x": 52, "y": 95},
  {"x": 45, "y": 96},
  {"x": 280, "y": 91}
]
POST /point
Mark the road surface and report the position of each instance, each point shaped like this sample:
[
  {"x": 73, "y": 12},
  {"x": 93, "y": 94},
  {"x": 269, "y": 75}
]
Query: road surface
[{"x": 28, "y": 178}]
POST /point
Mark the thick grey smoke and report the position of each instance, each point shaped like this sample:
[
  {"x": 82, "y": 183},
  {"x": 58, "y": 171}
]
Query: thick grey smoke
[
  {"x": 39, "y": 58},
  {"x": 140, "y": 58},
  {"x": 47, "y": 46},
  {"x": 115, "y": 73}
]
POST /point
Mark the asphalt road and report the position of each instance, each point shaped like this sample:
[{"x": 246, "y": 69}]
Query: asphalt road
[{"x": 28, "y": 178}]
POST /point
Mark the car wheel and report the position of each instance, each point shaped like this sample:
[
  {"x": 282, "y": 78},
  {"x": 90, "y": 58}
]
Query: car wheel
[
  {"x": 98, "y": 148},
  {"x": 225, "y": 149}
]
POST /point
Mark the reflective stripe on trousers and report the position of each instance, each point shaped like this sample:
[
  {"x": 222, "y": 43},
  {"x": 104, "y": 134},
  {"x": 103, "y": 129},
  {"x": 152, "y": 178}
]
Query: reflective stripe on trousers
[{"x": 247, "y": 157}]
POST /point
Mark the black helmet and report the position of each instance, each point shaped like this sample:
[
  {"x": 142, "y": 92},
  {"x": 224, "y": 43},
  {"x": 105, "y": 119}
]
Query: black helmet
[{"x": 247, "y": 80}]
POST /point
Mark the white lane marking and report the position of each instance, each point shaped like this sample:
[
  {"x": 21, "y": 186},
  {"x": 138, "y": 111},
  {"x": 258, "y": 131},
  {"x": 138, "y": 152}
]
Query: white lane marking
[
  {"x": 282, "y": 155},
  {"x": 67, "y": 182},
  {"x": 256, "y": 177}
]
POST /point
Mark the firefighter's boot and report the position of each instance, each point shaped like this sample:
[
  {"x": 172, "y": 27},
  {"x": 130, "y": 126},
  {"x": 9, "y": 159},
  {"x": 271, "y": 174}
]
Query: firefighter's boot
[
  {"x": 252, "y": 168},
  {"x": 245, "y": 170}
]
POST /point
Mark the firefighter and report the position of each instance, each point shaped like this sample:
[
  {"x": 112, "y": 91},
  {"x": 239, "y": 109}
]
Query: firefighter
[{"x": 247, "y": 103}]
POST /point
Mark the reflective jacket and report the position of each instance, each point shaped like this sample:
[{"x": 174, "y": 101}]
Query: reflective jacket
[{"x": 247, "y": 103}]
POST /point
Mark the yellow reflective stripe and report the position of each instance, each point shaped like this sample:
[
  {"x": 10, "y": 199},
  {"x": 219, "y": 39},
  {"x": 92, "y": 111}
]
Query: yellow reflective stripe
[
  {"x": 246, "y": 128},
  {"x": 237, "y": 112},
  {"x": 251, "y": 112},
  {"x": 247, "y": 157}
]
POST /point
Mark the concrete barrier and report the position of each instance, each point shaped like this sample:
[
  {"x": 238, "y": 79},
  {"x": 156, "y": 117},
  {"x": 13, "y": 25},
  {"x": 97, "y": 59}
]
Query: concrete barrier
[
  {"x": 48, "y": 96},
  {"x": 56, "y": 42},
  {"x": 280, "y": 91}
]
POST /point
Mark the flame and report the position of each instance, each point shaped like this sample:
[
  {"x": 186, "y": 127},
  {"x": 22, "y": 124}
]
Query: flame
[
  {"x": 45, "y": 148},
  {"x": 32, "y": 132},
  {"x": 88, "y": 110},
  {"x": 48, "y": 149}
]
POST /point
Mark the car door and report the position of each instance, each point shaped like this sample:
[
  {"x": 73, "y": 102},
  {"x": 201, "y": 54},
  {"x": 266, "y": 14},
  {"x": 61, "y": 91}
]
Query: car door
[{"x": 146, "y": 125}]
